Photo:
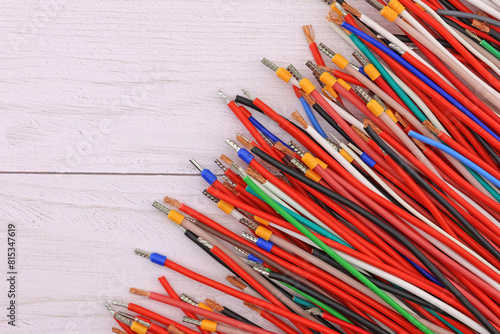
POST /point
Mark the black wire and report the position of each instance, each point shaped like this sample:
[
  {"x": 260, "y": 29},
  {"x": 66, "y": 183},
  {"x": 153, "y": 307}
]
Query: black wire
[
  {"x": 322, "y": 298},
  {"x": 332, "y": 123},
  {"x": 427, "y": 187},
  {"x": 479, "y": 316},
  {"x": 387, "y": 228},
  {"x": 492, "y": 153},
  {"x": 247, "y": 102},
  {"x": 384, "y": 286},
  {"x": 230, "y": 313}
]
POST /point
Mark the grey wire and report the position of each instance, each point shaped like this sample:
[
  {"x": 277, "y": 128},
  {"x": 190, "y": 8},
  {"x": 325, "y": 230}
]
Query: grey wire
[{"x": 456, "y": 13}]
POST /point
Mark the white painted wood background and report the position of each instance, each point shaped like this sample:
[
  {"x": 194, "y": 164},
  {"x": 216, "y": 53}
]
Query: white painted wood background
[{"x": 102, "y": 105}]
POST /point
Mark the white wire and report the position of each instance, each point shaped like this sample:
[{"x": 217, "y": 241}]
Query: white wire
[{"x": 485, "y": 7}]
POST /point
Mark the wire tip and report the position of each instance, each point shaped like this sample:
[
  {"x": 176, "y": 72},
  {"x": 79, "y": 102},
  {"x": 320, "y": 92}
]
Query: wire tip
[
  {"x": 139, "y": 292},
  {"x": 247, "y": 94},
  {"x": 253, "y": 307},
  {"x": 172, "y": 201},
  {"x": 309, "y": 32},
  {"x": 296, "y": 116},
  {"x": 244, "y": 141},
  {"x": 224, "y": 96},
  {"x": 237, "y": 282},
  {"x": 117, "y": 331},
  {"x": 256, "y": 175},
  {"x": 213, "y": 304}
]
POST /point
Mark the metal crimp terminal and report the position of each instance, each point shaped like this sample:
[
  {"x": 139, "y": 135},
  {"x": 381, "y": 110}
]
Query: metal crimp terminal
[
  {"x": 362, "y": 60},
  {"x": 142, "y": 253},
  {"x": 294, "y": 72},
  {"x": 314, "y": 311},
  {"x": 242, "y": 251},
  {"x": 225, "y": 96},
  {"x": 362, "y": 94},
  {"x": 247, "y": 94},
  {"x": 326, "y": 50},
  {"x": 196, "y": 165},
  {"x": 233, "y": 144},
  {"x": 142, "y": 322},
  {"x": 205, "y": 243},
  {"x": 221, "y": 166},
  {"x": 125, "y": 320},
  {"x": 248, "y": 223},
  {"x": 269, "y": 64},
  {"x": 126, "y": 315},
  {"x": 377, "y": 5},
  {"x": 258, "y": 267},
  {"x": 332, "y": 144},
  {"x": 328, "y": 2},
  {"x": 341, "y": 9},
  {"x": 296, "y": 148},
  {"x": 315, "y": 69},
  {"x": 297, "y": 163},
  {"x": 396, "y": 48},
  {"x": 120, "y": 304},
  {"x": 188, "y": 300},
  {"x": 379, "y": 100},
  {"x": 250, "y": 237},
  {"x": 210, "y": 196},
  {"x": 472, "y": 35},
  {"x": 110, "y": 309},
  {"x": 354, "y": 148},
  {"x": 161, "y": 207},
  {"x": 229, "y": 181},
  {"x": 191, "y": 321}
]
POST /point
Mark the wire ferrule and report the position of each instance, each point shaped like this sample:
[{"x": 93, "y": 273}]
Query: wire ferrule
[{"x": 158, "y": 258}]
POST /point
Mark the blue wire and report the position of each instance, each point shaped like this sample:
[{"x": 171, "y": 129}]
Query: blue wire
[
  {"x": 418, "y": 74},
  {"x": 316, "y": 228},
  {"x": 265, "y": 131},
  {"x": 424, "y": 272},
  {"x": 456, "y": 155},
  {"x": 311, "y": 117}
]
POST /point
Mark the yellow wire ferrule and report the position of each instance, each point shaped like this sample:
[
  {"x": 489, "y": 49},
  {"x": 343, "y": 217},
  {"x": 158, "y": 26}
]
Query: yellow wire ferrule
[
  {"x": 309, "y": 160},
  {"x": 310, "y": 174},
  {"x": 225, "y": 206},
  {"x": 371, "y": 71},
  {"x": 346, "y": 155},
  {"x": 344, "y": 84},
  {"x": 340, "y": 61},
  {"x": 209, "y": 325},
  {"x": 205, "y": 307},
  {"x": 396, "y": 6},
  {"x": 330, "y": 91},
  {"x": 327, "y": 79},
  {"x": 321, "y": 163},
  {"x": 375, "y": 107},
  {"x": 336, "y": 10},
  {"x": 138, "y": 328},
  {"x": 261, "y": 220},
  {"x": 283, "y": 74},
  {"x": 306, "y": 85},
  {"x": 391, "y": 115},
  {"x": 263, "y": 232},
  {"x": 389, "y": 14},
  {"x": 175, "y": 216}
]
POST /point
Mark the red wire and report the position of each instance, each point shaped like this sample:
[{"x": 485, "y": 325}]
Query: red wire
[
  {"x": 348, "y": 78},
  {"x": 327, "y": 316},
  {"x": 316, "y": 54},
  {"x": 171, "y": 292},
  {"x": 456, "y": 45},
  {"x": 277, "y": 322},
  {"x": 235, "y": 293},
  {"x": 428, "y": 286},
  {"x": 159, "y": 318}
]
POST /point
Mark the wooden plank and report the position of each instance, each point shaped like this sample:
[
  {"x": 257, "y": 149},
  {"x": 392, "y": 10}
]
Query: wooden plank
[
  {"x": 132, "y": 86},
  {"x": 75, "y": 240}
]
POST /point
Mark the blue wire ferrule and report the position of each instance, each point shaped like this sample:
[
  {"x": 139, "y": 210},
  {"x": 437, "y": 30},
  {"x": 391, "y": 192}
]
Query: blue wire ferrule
[
  {"x": 367, "y": 160},
  {"x": 245, "y": 155},
  {"x": 254, "y": 258},
  {"x": 208, "y": 176},
  {"x": 264, "y": 244},
  {"x": 362, "y": 71},
  {"x": 157, "y": 258}
]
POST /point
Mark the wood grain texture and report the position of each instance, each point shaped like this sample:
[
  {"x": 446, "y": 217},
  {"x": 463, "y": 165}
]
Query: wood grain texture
[{"x": 125, "y": 88}]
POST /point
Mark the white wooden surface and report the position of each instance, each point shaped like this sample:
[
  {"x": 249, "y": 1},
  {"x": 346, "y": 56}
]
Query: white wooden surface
[{"x": 103, "y": 103}]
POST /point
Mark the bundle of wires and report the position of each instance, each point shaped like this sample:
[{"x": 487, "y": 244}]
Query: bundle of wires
[{"x": 384, "y": 223}]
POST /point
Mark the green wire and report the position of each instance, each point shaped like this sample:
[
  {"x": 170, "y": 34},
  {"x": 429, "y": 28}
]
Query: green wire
[
  {"x": 485, "y": 184},
  {"x": 316, "y": 228},
  {"x": 325, "y": 307},
  {"x": 387, "y": 77},
  {"x": 337, "y": 257},
  {"x": 490, "y": 48},
  {"x": 453, "y": 328}
]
